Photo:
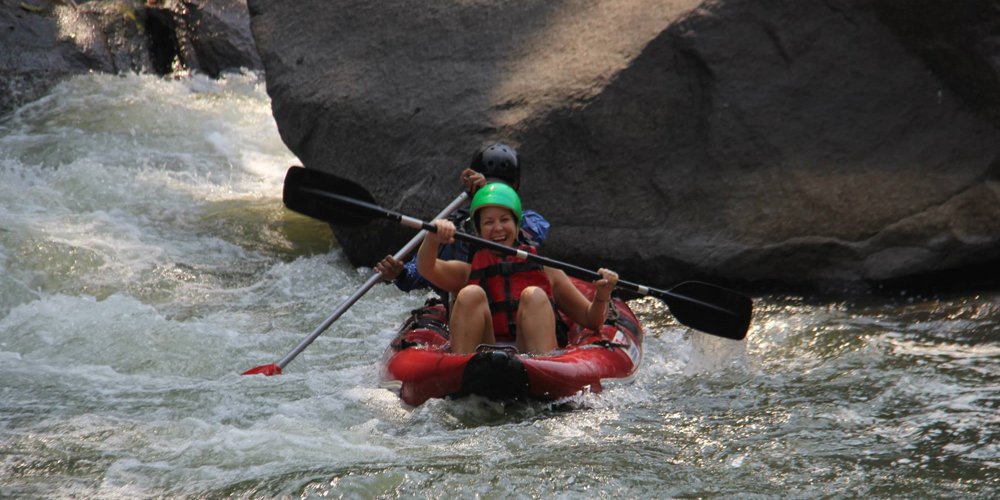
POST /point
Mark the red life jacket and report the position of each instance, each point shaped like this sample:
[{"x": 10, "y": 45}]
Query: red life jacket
[{"x": 503, "y": 279}]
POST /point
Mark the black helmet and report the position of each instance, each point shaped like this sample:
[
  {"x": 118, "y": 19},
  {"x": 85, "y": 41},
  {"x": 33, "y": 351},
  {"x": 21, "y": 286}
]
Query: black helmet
[{"x": 500, "y": 161}]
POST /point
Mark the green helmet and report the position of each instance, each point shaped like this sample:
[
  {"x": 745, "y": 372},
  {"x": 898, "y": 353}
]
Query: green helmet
[{"x": 497, "y": 194}]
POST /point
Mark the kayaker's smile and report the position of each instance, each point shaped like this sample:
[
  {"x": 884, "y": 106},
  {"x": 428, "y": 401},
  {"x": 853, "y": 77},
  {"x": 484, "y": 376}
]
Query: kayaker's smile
[{"x": 497, "y": 225}]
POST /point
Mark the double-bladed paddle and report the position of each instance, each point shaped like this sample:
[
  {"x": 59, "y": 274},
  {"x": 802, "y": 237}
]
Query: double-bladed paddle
[
  {"x": 707, "y": 308},
  {"x": 348, "y": 187}
]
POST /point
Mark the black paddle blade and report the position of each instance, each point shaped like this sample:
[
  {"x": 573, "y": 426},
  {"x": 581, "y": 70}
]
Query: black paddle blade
[
  {"x": 710, "y": 309},
  {"x": 314, "y": 193}
]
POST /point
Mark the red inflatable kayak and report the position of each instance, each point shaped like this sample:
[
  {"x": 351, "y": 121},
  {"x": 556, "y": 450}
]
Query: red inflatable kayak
[{"x": 418, "y": 366}]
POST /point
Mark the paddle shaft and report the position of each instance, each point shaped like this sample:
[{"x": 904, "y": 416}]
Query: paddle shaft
[
  {"x": 400, "y": 255},
  {"x": 570, "y": 269},
  {"x": 575, "y": 271}
]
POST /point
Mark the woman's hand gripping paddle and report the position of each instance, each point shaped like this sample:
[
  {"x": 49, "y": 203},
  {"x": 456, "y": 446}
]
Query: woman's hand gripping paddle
[
  {"x": 707, "y": 308},
  {"x": 329, "y": 183}
]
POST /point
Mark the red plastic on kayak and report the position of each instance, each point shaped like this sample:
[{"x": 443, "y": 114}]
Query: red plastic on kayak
[{"x": 418, "y": 365}]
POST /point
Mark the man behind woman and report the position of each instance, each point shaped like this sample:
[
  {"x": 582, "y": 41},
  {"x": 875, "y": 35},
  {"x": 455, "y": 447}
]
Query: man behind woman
[{"x": 494, "y": 163}]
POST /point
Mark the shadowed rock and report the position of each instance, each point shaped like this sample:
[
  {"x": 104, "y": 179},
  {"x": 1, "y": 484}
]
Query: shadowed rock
[{"x": 810, "y": 142}]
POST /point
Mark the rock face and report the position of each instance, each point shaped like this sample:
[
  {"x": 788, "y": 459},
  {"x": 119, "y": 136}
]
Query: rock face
[
  {"x": 42, "y": 41},
  {"x": 800, "y": 142}
]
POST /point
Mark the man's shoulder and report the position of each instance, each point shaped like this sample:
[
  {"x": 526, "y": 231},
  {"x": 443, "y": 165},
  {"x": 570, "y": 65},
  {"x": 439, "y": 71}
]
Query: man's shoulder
[
  {"x": 536, "y": 227},
  {"x": 529, "y": 217},
  {"x": 528, "y": 213}
]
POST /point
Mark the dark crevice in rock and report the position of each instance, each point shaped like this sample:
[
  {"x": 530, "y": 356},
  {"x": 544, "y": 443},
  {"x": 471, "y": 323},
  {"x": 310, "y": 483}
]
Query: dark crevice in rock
[
  {"x": 702, "y": 79},
  {"x": 161, "y": 33},
  {"x": 993, "y": 173},
  {"x": 841, "y": 11},
  {"x": 772, "y": 33}
]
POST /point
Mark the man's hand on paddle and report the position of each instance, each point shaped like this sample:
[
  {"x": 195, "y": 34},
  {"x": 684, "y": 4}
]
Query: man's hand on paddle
[
  {"x": 389, "y": 267},
  {"x": 473, "y": 180}
]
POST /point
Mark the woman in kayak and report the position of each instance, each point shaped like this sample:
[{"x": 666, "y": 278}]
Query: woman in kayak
[{"x": 506, "y": 300}]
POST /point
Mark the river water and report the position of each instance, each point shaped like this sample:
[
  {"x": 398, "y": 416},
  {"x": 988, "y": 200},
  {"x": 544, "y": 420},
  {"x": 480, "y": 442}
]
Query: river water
[{"x": 146, "y": 260}]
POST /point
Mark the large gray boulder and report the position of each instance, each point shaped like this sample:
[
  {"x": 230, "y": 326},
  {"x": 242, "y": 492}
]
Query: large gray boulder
[
  {"x": 43, "y": 41},
  {"x": 801, "y": 142}
]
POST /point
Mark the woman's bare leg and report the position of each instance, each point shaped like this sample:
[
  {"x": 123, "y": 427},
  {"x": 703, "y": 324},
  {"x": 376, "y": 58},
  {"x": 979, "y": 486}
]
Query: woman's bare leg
[
  {"x": 471, "y": 323},
  {"x": 536, "y": 322}
]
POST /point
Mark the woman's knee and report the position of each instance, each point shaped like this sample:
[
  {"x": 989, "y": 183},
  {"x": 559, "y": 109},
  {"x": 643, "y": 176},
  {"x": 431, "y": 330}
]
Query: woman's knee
[
  {"x": 534, "y": 303},
  {"x": 472, "y": 294},
  {"x": 534, "y": 296}
]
